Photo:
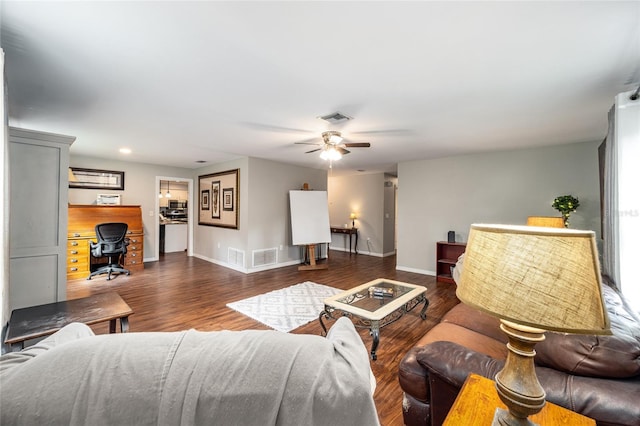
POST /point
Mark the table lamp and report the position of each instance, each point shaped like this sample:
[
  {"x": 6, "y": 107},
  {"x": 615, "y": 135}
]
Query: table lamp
[
  {"x": 534, "y": 279},
  {"x": 353, "y": 218}
]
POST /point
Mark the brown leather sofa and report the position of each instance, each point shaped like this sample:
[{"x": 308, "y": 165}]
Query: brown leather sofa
[{"x": 597, "y": 376}]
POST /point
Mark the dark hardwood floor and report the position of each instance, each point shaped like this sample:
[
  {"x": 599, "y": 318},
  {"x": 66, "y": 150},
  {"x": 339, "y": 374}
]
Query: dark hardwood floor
[{"x": 181, "y": 292}]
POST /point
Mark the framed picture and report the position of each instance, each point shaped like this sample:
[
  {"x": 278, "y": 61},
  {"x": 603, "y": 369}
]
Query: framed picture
[
  {"x": 222, "y": 191},
  {"x": 95, "y": 179},
  {"x": 215, "y": 204},
  {"x": 227, "y": 199},
  {"x": 204, "y": 199}
]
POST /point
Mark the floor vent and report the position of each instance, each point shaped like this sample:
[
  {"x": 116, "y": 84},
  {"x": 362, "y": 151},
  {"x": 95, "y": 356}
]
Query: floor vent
[
  {"x": 235, "y": 257},
  {"x": 265, "y": 257}
]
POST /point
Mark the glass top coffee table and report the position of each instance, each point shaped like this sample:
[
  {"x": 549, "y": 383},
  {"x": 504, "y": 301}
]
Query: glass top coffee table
[{"x": 374, "y": 305}]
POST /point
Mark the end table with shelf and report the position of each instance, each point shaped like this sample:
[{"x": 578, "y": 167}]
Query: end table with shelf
[{"x": 446, "y": 257}]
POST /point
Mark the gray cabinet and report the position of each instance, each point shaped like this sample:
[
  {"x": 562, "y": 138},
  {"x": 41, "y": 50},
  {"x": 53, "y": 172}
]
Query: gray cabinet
[{"x": 38, "y": 197}]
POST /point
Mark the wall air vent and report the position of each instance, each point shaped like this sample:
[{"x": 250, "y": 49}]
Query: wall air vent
[
  {"x": 265, "y": 257},
  {"x": 235, "y": 257},
  {"x": 336, "y": 117}
]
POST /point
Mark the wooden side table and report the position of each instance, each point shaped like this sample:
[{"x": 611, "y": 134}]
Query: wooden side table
[
  {"x": 348, "y": 231},
  {"x": 43, "y": 320},
  {"x": 477, "y": 401}
]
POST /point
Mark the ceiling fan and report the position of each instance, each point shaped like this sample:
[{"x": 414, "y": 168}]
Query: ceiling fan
[{"x": 333, "y": 145}]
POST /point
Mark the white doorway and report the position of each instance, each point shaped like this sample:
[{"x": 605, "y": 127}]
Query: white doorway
[{"x": 174, "y": 207}]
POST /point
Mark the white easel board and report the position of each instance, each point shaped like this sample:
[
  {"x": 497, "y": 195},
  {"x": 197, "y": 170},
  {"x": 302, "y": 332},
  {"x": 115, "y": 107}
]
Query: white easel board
[{"x": 309, "y": 217}]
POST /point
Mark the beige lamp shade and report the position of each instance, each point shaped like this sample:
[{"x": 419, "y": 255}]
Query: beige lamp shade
[
  {"x": 545, "y": 278},
  {"x": 548, "y": 221}
]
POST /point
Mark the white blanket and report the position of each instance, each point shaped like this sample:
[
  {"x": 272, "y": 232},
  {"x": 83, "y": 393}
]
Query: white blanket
[{"x": 191, "y": 378}]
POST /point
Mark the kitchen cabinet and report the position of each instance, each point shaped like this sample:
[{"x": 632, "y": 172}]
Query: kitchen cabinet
[{"x": 175, "y": 237}]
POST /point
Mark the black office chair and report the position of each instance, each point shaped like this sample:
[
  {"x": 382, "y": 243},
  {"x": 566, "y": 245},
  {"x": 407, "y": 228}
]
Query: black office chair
[{"x": 112, "y": 244}]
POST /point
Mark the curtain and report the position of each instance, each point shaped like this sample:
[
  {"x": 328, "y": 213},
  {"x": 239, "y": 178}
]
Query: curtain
[
  {"x": 610, "y": 256},
  {"x": 4, "y": 196}
]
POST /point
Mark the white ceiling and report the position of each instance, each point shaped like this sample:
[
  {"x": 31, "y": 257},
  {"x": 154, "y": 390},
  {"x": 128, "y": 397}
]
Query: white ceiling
[{"x": 178, "y": 82}]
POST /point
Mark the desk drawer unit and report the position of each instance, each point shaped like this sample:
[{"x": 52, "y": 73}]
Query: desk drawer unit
[
  {"x": 133, "y": 258},
  {"x": 77, "y": 258}
]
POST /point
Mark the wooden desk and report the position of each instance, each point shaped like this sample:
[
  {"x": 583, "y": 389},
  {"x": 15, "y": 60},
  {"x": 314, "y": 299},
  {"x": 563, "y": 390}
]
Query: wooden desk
[
  {"x": 82, "y": 222},
  {"x": 477, "y": 401},
  {"x": 349, "y": 231},
  {"x": 43, "y": 320}
]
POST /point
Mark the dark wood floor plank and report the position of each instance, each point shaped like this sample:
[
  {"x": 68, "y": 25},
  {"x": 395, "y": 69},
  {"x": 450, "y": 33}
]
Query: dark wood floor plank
[{"x": 181, "y": 292}]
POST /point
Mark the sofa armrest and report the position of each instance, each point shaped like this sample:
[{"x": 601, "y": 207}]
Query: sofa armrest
[
  {"x": 609, "y": 401},
  {"x": 66, "y": 334},
  {"x": 447, "y": 366}
]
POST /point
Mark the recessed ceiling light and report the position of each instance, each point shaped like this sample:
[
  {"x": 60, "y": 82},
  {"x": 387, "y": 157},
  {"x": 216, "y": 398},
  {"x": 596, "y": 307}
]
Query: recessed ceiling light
[{"x": 125, "y": 151}]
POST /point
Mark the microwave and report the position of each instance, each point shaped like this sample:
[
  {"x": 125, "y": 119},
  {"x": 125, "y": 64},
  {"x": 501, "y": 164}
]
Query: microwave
[{"x": 175, "y": 204}]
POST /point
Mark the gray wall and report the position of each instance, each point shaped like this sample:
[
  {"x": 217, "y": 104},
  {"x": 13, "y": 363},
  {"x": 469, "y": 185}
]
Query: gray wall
[
  {"x": 264, "y": 213},
  {"x": 264, "y": 206},
  {"x": 372, "y": 197},
  {"x": 436, "y": 196},
  {"x": 364, "y": 195},
  {"x": 140, "y": 188}
]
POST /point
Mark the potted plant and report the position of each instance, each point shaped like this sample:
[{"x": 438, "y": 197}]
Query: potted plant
[{"x": 566, "y": 204}]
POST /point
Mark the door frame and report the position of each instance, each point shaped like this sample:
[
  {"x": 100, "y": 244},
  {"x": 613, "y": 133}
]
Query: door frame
[{"x": 190, "y": 213}]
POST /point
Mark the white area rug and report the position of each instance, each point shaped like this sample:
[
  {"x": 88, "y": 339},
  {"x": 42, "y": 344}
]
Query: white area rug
[{"x": 288, "y": 308}]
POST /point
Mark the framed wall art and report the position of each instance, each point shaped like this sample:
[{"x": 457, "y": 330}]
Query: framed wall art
[
  {"x": 215, "y": 190},
  {"x": 227, "y": 199},
  {"x": 204, "y": 199},
  {"x": 95, "y": 179},
  {"x": 221, "y": 192}
]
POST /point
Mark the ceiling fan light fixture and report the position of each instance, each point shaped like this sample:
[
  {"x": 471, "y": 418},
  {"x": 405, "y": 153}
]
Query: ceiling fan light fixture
[
  {"x": 332, "y": 137},
  {"x": 330, "y": 154},
  {"x": 335, "y": 138}
]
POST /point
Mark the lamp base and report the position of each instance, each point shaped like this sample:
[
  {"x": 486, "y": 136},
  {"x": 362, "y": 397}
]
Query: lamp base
[
  {"x": 517, "y": 384},
  {"x": 504, "y": 418}
]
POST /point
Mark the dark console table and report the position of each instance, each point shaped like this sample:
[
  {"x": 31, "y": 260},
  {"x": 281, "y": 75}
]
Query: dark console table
[
  {"x": 43, "y": 320},
  {"x": 349, "y": 231}
]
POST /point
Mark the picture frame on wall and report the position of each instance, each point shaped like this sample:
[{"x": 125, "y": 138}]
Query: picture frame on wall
[
  {"x": 215, "y": 190},
  {"x": 223, "y": 199},
  {"x": 95, "y": 179},
  {"x": 204, "y": 199},
  {"x": 227, "y": 199}
]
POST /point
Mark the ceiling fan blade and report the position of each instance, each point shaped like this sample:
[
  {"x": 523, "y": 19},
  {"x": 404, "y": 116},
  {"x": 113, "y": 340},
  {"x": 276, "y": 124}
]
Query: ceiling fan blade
[
  {"x": 380, "y": 131},
  {"x": 357, "y": 144},
  {"x": 313, "y": 150},
  {"x": 310, "y": 141},
  {"x": 260, "y": 126},
  {"x": 342, "y": 150}
]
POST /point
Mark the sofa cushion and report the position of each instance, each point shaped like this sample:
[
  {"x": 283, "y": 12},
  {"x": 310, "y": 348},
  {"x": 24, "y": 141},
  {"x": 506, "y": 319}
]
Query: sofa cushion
[
  {"x": 472, "y": 319},
  {"x": 617, "y": 355},
  {"x": 473, "y": 340}
]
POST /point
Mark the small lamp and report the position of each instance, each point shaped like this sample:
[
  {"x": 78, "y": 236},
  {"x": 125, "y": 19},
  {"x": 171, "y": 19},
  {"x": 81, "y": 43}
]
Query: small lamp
[
  {"x": 533, "y": 279},
  {"x": 353, "y": 218},
  {"x": 168, "y": 194}
]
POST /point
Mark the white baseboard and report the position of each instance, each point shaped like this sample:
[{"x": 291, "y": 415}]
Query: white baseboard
[
  {"x": 415, "y": 270},
  {"x": 246, "y": 270}
]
